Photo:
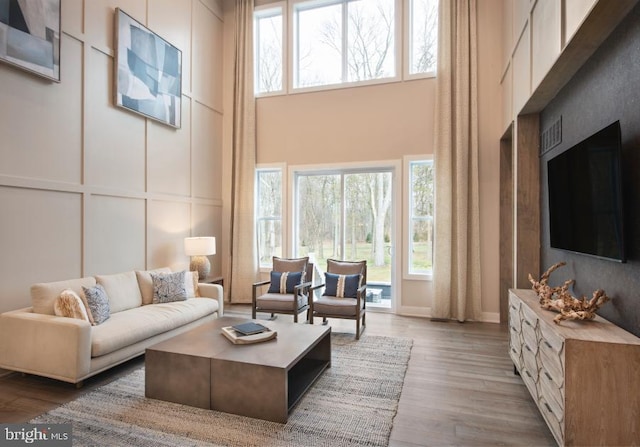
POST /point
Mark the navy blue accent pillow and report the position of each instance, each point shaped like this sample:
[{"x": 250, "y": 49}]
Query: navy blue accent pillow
[
  {"x": 341, "y": 286},
  {"x": 284, "y": 282}
]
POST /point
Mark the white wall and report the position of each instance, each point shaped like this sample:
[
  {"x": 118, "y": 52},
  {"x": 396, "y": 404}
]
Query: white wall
[{"x": 87, "y": 188}]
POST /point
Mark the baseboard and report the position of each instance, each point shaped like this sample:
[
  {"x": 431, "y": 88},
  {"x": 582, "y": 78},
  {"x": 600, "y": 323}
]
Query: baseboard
[
  {"x": 415, "y": 311},
  {"x": 490, "y": 317}
]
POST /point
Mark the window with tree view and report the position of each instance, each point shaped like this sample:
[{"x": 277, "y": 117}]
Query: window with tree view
[
  {"x": 421, "y": 209},
  {"x": 347, "y": 215},
  {"x": 333, "y": 42},
  {"x": 423, "y": 36},
  {"x": 268, "y": 50},
  {"x": 342, "y": 41},
  {"x": 269, "y": 214}
]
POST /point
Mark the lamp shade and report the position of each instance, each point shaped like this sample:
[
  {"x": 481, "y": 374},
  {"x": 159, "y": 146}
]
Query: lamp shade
[{"x": 199, "y": 246}]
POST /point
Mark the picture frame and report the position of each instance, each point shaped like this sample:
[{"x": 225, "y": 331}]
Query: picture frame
[
  {"x": 30, "y": 35},
  {"x": 147, "y": 72}
]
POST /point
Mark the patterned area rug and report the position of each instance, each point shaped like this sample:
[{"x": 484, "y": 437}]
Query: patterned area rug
[{"x": 353, "y": 403}]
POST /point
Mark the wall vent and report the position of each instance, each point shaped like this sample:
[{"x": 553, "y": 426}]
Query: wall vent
[{"x": 551, "y": 136}]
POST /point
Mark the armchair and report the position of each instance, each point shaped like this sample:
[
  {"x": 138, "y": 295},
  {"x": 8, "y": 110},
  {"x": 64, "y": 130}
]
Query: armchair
[
  {"x": 288, "y": 292},
  {"x": 345, "y": 292}
]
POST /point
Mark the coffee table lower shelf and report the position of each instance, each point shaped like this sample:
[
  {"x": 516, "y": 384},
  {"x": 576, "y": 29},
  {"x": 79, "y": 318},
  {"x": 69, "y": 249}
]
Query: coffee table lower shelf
[{"x": 302, "y": 376}]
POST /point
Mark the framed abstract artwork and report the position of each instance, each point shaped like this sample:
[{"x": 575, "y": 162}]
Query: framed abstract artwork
[
  {"x": 148, "y": 72},
  {"x": 30, "y": 36}
]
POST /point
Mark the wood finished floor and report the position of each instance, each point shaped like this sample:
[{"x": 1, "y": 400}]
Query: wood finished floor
[{"x": 459, "y": 389}]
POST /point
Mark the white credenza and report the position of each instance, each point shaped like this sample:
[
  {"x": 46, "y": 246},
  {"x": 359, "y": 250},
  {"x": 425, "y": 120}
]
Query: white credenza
[{"x": 583, "y": 375}]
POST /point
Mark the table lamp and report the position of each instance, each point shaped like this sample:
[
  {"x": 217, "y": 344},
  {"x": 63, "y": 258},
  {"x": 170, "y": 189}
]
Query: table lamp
[{"x": 199, "y": 248}]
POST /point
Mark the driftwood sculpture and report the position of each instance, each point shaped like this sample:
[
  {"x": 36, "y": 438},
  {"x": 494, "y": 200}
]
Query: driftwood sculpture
[{"x": 559, "y": 299}]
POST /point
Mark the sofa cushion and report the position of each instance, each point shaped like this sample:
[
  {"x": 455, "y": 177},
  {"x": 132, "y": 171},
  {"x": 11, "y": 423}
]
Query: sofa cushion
[
  {"x": 43, "y": 295},
  {"x": 169, "y": 287},
  {"x": 97, "y": 303},
  {"x": 191, "y": 284},
  {"x": 122, "y": 290},
  {"x": 70, "y": 305},
  {"x": 146, "y": 284},
  {"x": 134, "y": 325}
]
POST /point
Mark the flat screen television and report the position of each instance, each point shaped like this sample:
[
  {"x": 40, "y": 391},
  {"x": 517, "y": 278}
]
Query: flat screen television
[{"x": 585, "y": 197}]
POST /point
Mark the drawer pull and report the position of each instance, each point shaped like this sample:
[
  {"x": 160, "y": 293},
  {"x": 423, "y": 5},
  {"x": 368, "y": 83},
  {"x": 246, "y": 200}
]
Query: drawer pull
[
  {"x": 527, "y": 347},
  {"x": 548, "y": 376},
  {"x": 548, "y": 345},
  {"x": 528, "y": 373},
  {"x": 514, "y": 351},
  {"x": 548, "y": 407},
  {"x": 527, "y": 322}
]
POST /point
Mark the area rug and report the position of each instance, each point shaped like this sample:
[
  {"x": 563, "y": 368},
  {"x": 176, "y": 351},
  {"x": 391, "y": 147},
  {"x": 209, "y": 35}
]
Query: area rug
[{"x": 353, "y": 403}]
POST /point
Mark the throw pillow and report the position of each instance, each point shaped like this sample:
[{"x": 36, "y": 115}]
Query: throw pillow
[
  {"x": 168, "y": 287},
  {"x": 97, "y": 303},
  {"x": 284, "y": 282},
  {"x": 191, "y": 284},
  {"x": 70, "y": 305},
  {"x": 341, "y": 286}
]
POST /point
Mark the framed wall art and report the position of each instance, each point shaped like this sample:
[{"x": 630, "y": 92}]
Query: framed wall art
[
  {"x": 148, "y": 72},
  {"x": 30, "y": 36}
]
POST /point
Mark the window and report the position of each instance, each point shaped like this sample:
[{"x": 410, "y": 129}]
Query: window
[
  {"x": 421, "y": 207},
  {"x": 269, "y": 214},
  {"x": 423, "y": 36},
  {"x": 348, "y": 215},
  {"x": 335, "y": 42},
  {"x": 268, "y": 50},
  {"x": 339, "y": 41}
]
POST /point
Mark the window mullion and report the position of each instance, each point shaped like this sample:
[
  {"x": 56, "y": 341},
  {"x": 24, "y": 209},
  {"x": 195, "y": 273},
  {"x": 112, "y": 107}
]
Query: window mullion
[{"x": 345, "y": 40}]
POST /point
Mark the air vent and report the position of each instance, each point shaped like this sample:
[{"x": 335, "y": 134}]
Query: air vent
[{"x": 551, "y": 136}]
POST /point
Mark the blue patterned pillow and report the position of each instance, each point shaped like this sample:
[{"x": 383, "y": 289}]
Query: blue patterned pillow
[
  {"x": 168, "y": 287},
  {"x": 284, "y": 282},
  {"x": 341, "y": 286},
  {"x": 98, "y": 303}
]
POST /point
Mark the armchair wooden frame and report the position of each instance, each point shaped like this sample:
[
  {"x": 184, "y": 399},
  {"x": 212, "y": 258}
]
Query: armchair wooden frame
[
  {"x": 344, "y": 267},
  {"x": 300, "y": 290}
]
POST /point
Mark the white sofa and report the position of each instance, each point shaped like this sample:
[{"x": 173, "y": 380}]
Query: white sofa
[{"x": 34, "y": 340}]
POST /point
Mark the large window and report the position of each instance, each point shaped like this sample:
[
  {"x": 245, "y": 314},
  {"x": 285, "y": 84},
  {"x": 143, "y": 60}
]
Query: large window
[
  {"x": 268, "y": 31},
  {"x": 348, "y": 215},
  {"x": 337, "y": 42},
  {"x": 421, "y": 207},
  {"x": 269, "y": 214}
]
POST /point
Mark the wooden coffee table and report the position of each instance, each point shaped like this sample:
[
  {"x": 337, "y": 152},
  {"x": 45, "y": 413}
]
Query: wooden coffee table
[{"x": 202, "y": 368}]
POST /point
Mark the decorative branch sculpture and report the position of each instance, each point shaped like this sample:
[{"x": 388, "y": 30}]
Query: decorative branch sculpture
[{"x": 560, "y": 300}]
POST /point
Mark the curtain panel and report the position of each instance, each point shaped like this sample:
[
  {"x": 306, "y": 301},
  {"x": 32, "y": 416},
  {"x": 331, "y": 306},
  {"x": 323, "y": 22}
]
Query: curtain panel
[
  {"x": 457, "y": 288},
  {"x": 244, "y": 262}
]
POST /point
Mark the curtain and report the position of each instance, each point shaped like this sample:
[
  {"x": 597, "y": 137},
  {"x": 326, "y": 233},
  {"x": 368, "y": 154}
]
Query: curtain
[
  {"x": 457, "y": 288},
  {"x": 244, "y": 262}
]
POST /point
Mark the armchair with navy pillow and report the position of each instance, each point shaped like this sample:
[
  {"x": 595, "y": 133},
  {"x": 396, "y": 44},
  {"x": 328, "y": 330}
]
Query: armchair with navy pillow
[
  {"x": 344, "y": 296},
  {"x": 288, "y": 292}
]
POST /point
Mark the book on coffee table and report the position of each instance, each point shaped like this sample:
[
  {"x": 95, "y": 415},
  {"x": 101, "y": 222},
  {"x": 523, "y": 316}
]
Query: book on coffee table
[{"x": 249, "y": 328}]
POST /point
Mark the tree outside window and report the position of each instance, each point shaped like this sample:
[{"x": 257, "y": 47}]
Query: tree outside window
[
  {"x": 269, "y": 214},
  {"x": 421, "y": 208},
  {"x": 268, "y": 50},
  {"x": 423, "y": 36}
]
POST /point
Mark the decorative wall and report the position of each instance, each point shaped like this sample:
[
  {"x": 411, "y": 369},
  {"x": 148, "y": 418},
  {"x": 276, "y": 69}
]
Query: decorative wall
[
  {"x": 605, "y": 89},
  {"x": 87, "y": 188}
]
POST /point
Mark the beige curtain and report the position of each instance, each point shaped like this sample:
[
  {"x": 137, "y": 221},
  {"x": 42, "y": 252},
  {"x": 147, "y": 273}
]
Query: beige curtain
[
  {"x": 457, "y": 222},
  {"x": 244, "y": 263}
]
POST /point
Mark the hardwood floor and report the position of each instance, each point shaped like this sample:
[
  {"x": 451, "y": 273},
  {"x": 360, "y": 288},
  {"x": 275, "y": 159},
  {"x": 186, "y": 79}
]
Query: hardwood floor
[{"x": 459, "y": 388}]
